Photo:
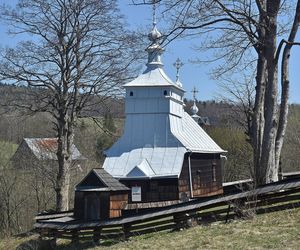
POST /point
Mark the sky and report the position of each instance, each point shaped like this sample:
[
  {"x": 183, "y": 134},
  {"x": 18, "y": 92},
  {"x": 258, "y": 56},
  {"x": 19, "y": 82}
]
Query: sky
[{"x": 191, "y": 75}]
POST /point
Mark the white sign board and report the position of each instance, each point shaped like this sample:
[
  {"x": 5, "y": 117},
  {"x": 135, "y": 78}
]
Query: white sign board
[{"x": 136, "y": 193}]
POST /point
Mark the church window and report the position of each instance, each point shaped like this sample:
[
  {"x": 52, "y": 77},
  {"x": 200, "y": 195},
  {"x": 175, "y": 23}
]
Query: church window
[
  {"x": 214, "y": 175},
  {"x": 165, "y": 92},
  {"x": 131, "y": 93}
]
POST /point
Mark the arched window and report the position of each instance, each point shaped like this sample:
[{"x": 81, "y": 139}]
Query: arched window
[
  {"x": 131, "y": 93},
  {"x": 165, "y": 92}
]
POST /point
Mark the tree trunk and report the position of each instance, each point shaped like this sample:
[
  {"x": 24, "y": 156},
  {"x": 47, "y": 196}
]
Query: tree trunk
[
  {"x": 258, "y": 118},
  {"x": 65, "y": 141},
  {"x": 265, "y": 112},
  {"x": 285, "y": 86}
]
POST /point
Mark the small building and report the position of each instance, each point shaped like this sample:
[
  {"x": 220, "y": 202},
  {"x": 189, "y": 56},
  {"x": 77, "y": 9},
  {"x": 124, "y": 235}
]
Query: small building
[
  {"x": 163, "y": 154},
  {"x": 99, "y": 196},
  {"x": 38, "y": 152}
]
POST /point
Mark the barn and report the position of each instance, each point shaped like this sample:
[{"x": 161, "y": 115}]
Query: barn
[
  {"x": 41, "y": 152},
  {"x": 163, "y": 154}
]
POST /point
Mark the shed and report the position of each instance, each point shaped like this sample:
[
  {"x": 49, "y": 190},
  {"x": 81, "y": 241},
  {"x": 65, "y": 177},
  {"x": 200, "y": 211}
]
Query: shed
[{"x": 99, "y": 196}]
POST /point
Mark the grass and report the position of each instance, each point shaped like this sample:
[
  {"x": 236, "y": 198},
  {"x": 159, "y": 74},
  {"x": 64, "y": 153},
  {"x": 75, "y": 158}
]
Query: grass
[
  {"x": 7, "y": 150},
  {"x": 277, "y": 230}
]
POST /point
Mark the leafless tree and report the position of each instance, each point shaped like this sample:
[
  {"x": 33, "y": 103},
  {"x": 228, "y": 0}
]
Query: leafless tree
[
  {"x": 245, "y": 32},
  {"x": 77, "y": 54},
  {"x": 239, "y": 93}
]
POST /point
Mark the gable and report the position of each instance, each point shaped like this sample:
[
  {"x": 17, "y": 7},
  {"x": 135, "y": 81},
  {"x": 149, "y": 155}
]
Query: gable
[
  {"x": 99, "y": 180},
  {"x": 91, "y": 180},
  {"x": 136, "y": 172},
  {"x": 143, "y": 169},
  {"x": 23, "y": 157}
]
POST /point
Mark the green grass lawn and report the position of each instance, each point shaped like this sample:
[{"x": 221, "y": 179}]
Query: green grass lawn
[{"x": 278, "y": 230}]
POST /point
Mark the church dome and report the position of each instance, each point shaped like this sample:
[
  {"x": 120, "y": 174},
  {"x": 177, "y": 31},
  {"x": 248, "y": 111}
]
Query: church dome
[
  {"x": 154, "y": 34},
  {"x": 194, "y": 109}
]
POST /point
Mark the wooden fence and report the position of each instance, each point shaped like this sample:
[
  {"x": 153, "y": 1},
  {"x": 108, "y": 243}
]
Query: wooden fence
[{"x": 273, "y": 197}]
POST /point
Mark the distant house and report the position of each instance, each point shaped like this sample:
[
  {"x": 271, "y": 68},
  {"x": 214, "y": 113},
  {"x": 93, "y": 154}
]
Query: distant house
[{"x": 33, "y": 152}]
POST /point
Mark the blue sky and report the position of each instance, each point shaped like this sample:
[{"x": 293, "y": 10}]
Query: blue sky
[{"x": 140, "y": 17}]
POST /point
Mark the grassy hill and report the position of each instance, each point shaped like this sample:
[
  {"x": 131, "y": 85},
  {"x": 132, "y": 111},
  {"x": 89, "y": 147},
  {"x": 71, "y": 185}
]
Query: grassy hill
[{"x": 278, "y": 230}]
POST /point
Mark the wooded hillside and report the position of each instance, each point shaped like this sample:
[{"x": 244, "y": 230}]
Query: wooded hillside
[{"x": 33, "y": 190}]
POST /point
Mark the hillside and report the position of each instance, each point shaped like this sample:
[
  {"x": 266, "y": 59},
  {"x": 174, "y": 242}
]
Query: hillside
[{"x": 278, "y": 230}]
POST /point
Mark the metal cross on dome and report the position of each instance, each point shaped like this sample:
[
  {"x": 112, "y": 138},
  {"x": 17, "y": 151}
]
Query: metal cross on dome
[
  {"x": 178, "y": 64},
  {"x": 194, "y": 91},
  {"x": 154, "y": 12}
]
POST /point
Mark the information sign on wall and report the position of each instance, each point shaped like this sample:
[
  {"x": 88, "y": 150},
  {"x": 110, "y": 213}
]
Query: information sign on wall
[{"x": 136, "y": 193}]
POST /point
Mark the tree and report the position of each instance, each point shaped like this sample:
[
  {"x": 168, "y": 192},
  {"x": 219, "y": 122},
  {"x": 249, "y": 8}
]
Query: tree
[
  {"x": 77, "y": 54},
  {"x": 245, "y": 32},
  {"x": 239, "y": 93}
]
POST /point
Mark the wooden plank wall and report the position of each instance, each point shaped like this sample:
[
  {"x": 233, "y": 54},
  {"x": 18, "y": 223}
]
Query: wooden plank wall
[
  {"x": 154, "y": 190},
  {"x": 206, "y": 174},
  {"x": 117, "y": 203}
]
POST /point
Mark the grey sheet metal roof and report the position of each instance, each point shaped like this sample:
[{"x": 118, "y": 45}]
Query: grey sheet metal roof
[
  {"x": 157, "y": 149},
  {"x": 152, "y": 77},
  {"x": 154, "y": 143},
  {"x": 46, "y": 148},
  {"x": 192, "y": 136},
  {"x": 106, "y": 182}
]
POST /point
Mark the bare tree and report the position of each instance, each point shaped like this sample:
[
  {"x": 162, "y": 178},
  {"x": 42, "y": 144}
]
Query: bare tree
[
  {"x": 77, "y": 55},
  {"x": 245, "y": 32},
  {"x": 239, "y": 93}
]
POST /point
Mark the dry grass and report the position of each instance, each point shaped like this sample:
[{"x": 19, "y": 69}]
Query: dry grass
[{"x": 278, "y": 230}]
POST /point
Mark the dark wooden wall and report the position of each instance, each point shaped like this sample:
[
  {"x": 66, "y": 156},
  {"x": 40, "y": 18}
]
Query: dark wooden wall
[
  {"x": 155, "y": 189},
  {"x": 206, "y": 173},
  {"x": 109, "y": 204}
]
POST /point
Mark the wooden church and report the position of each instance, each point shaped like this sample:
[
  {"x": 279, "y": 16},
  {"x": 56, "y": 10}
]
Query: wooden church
[{"x": 163, "y": 154}]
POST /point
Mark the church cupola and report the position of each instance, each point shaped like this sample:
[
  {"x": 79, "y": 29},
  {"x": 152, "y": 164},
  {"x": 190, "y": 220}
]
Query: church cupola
[{"x": 153, "y": 92}]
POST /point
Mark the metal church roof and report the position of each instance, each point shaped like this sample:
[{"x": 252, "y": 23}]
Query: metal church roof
[
  {"x": 192, "y": 136},
  {"x": 156, "y": 150},
  {"x": 152, "y": 77},
  {"x": 157, "y": 133}
]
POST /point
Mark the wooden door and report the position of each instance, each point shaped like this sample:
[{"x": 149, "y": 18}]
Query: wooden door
[{"x": 92, "y": 207}]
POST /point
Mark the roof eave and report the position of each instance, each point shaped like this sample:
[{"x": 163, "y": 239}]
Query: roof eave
[{"x": 147, "y": 177}]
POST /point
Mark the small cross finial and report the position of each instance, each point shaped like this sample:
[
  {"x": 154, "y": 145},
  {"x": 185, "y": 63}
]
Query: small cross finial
[
  {"x": 178, "y": 64},
  {"x": 194, "y": 91},
  {"x": 154, "y": 12}
]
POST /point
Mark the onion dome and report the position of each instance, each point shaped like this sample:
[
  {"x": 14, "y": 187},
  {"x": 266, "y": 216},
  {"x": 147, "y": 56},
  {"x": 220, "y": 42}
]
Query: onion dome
[
  {"x": 194, "y": 109},
  {"x": 154, "y": 34}
]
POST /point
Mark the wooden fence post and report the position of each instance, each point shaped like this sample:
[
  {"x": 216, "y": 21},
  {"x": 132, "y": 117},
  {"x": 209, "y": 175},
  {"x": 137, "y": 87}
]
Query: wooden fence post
[
  {"x": 126, "y": 230},
  {"x": 75, "y": 236},
  {"x": 97, "y": 234},
  {"x": 180, "y": 221}
]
